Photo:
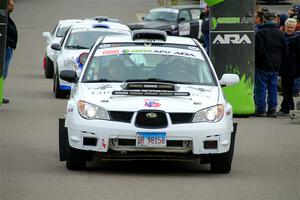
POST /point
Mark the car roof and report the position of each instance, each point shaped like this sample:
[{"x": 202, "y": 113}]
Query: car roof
[
  {"x": 90, "y": 23},
  {"x": 69, "y": 22}
]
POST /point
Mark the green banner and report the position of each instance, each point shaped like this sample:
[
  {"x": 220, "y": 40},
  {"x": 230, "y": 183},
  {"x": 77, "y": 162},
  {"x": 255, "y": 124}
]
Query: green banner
[
  {"x": 213, "y": 2},
  {"x": 232, "y": 50}
]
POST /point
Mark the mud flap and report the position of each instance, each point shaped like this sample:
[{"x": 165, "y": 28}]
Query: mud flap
[
  {"x": 232, "y": 140},
  {"x": 63, "y": 140}
]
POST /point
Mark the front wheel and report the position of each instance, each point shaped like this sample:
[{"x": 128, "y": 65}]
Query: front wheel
[
  {"x": 48, "y": 68},
  {"x": 221, "y": 163},
  {"x": 57, "y": 91}
]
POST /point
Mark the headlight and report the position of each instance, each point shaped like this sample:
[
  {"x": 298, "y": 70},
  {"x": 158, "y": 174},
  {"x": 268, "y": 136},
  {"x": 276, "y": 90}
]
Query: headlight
[
  {"x": 71, "y": 64},
  {"x": 91, "y": 111},
  {"x": 211, "y": 114}
]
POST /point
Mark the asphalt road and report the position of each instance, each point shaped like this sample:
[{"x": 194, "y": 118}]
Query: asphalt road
[{"x": 266, "y": 164}]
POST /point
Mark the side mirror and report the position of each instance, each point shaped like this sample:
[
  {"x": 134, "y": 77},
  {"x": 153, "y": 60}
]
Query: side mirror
[
  {"x": 229, "y": 79},
  {"x": 68, "y": 75},
  {"x": 180, "y": 19},
  {"x": 47, "y": 35},
  {"x": 56, "y": 46}
]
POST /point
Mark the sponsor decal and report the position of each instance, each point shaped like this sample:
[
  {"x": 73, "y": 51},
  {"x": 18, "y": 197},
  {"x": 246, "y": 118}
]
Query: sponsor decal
[
  {"x": 184, "y": 29},
  {"x": 174, "y": 53},
  {"x": 103, "y": 143},
  {"x": 128, "y": 51},
  {"x": 184, "y": 54},
  {"x": 152, "y": 103},
  {"x": 162, "y": 52},
  {"x": 110, "y": 52},
  {"x": 230, "y": 20},
  {"x": 232, "y": 39}
]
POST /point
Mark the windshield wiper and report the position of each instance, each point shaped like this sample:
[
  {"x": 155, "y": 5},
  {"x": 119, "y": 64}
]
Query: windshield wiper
[
  {"x": 77, "y": 47},
  {"x": 157, "y": 80},
  {"x": 102, "y": 81}
]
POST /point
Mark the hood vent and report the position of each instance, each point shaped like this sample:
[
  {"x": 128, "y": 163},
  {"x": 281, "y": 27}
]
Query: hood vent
[{"x": 150, "y": 86}]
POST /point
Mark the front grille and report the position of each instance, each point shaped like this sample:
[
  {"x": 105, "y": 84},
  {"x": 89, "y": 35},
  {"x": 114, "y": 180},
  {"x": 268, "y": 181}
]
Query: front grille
[
  {"x": 121, "y": 116},
  {"x": 151, "y": 119},
  {"x": 180, "y": 118},
  {"x": 129, "y": 145}
]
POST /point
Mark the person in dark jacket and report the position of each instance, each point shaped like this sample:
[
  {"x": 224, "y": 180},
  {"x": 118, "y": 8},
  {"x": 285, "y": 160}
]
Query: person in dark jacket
[
  {"x": 11, "y": 42},
  {"x": 289, "y": 69},
  {"x": 205, "y": 28},
  {"x": 281, "y": 18},
  {"x": 270, "y": 47}
]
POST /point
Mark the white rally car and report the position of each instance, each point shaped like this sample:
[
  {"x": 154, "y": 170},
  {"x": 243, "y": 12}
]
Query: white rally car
[
  {"x": 78, "y": 40},
  {"x": 54, "y": 37},
  {"x": 147, "y": 96}
]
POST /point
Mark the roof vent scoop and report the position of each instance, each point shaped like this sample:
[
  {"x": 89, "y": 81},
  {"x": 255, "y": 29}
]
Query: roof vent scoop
[
  {"x": 148, "y": 34},
  {"x": 106, "y": 19},
  {"x": 100, "y": 26}
]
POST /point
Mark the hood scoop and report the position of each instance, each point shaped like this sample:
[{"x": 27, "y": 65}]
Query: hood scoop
[
  {"x": 150, "y": 89},
  {"x": 150, "y": 86}
]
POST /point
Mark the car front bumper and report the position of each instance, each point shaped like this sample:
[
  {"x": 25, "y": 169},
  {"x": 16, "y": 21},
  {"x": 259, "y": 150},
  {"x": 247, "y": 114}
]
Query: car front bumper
[{"x": 190, "y": 138}]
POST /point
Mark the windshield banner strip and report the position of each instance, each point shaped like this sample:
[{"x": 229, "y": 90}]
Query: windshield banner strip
[{"x": 150, "y": 50}]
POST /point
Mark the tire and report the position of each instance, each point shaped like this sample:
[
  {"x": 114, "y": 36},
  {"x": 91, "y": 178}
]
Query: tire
[
  {"x": 63, "y": 140},
  {"x": 48, "y": 68},
  {"x": 75, "y": 158},
  {"x": 57, "y": 91},
  {"x": 221, "y": 163}
]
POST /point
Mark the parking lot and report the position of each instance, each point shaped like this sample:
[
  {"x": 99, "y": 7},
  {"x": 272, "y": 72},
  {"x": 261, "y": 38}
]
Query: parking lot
[{"x": 266, "y": 164}]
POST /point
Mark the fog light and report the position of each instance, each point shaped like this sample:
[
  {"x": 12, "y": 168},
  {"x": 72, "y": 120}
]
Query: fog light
[{"x": 211, "y": 144}]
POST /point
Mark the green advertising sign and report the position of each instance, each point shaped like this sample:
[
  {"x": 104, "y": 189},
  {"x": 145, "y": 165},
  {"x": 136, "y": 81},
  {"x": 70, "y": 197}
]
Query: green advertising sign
[
  {"x": 232, "y": 50},
  {"x": 213, "y": 2}
]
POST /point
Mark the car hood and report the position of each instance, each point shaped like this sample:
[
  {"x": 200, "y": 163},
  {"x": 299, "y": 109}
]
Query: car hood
[
  {"x": 101, "y": 94},
  {"x": 149, "y": 25},
  {"x": 73, "y": 53}
]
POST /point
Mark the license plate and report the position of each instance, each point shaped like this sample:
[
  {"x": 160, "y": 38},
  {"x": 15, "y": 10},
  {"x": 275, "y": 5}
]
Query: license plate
[{"x": 151, "y": 139}]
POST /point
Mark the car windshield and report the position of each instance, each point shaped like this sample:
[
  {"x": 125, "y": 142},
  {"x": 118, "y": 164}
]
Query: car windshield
[
  {"x": 148, "y": 64},
  {"x": 61, "y": 31},
  {"x": 85, "y": 39},
  {"x": 169, "y": 15}
]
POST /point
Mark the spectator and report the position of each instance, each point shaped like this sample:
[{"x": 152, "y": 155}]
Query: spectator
[
  {"x": 270, "y": 47},
  {"x": 258, "y": 19},
  {"x": 281, "y": 18},
  {"x": 11, "y": 42},
  {"x": 288, "y": 70},
  {"x": 296, "y": 87},
  {"x": 205, "y": 28},
  {"x": 298, "y": 18},
  {"x": 264, "y": 9}
]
